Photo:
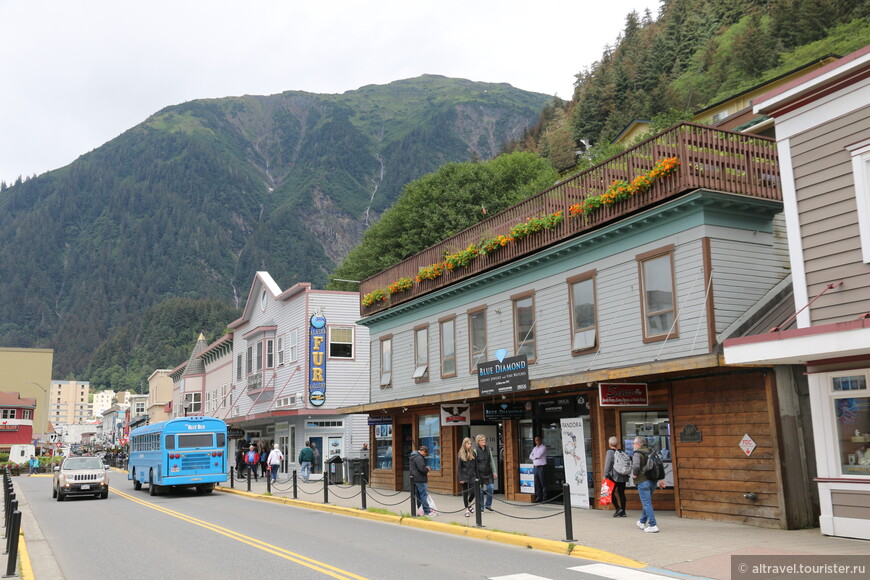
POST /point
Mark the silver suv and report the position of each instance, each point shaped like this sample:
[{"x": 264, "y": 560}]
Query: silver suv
[{"x": 81, "y": 476}]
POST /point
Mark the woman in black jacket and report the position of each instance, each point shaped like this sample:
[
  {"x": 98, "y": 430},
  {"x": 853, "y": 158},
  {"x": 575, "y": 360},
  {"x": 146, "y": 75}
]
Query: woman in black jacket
[{"x": 466, "y": 473}]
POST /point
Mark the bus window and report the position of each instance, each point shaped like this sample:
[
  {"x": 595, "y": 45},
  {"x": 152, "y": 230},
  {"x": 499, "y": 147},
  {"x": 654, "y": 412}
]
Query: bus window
[
  {"x": 221, "y": 440},
  {"x": 170, "y": 441},
  {"x": 195, "y": 440}
]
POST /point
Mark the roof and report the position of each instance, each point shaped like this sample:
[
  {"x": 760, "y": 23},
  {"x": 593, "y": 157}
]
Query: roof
[{"x": 14, "y": 400}]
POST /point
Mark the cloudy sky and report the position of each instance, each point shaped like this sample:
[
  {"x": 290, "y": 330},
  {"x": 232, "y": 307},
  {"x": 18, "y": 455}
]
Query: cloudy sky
[{"x": 77, "y": 73}]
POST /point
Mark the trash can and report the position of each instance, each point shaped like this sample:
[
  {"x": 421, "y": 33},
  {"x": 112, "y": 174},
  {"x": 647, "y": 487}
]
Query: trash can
[
  {"x": 335, "y": 469},
  {"x": 358, "y": 470}
]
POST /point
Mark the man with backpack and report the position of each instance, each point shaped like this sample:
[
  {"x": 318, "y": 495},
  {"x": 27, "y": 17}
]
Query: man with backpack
[{"x": 647, "y": 475}]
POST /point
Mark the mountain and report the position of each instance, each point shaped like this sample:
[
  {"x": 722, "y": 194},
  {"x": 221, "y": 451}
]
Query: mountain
[{"x": 198, "y": 197}]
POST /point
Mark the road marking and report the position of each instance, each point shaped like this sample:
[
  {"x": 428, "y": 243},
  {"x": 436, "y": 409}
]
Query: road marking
[
  {"x": 615, "y": 572},
  {"x": 522, "y": 576},
  {"x": 280, "y": 552}
]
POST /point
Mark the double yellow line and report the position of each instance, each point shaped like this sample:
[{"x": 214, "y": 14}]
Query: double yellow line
[{"x": 280, "y": 552}]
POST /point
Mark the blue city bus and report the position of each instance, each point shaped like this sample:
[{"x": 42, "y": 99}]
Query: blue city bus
[{"x": 182, "y": 452}]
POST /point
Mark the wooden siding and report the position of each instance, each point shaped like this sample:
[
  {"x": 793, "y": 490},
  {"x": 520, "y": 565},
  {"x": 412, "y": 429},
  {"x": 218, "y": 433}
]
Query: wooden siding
[
  {"x": 715, "y": 473},
  {"x": 829, "y": 226}
]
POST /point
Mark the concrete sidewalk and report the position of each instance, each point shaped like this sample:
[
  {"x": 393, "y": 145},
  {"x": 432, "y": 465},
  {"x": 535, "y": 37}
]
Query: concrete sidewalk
[{"x": 683, "y": 547}]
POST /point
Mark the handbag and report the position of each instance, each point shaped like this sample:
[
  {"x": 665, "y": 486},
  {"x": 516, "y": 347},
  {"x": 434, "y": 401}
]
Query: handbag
[{"x": 607, "y": 486}]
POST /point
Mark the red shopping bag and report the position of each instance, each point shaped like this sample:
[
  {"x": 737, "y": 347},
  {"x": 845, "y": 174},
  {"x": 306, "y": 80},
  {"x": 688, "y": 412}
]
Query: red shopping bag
[{"x": 606, "y": 491}]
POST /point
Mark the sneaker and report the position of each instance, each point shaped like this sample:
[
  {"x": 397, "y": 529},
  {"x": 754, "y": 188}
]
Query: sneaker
[
  {"x": 467, "y": 514},
  {"x": 641, "y": 525},
  {"x": 652, "y": 530},
  {"x": 471, "y": 509},
  {"x": 434, "y": 514}
]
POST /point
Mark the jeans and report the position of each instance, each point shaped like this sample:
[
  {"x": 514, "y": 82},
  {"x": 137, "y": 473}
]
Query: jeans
[
  {"x": 273, "y": 469},
  {"x": 645, "y": 490},
  {"x": 306, "y": 470},
  {"x": 422, "y": 491},
  {"x": 252, "y": 468},
  {"x": 540, "y": 484},
  {"x": 486, "y": 492}
]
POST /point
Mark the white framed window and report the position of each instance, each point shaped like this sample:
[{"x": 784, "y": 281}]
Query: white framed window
[
  {"x": 421, "y": 353},
  {"x": 850, "y": 397},
  {"x": 280, "y": 349},
  {"x": 525, "y": 340},
  {"x": 249, "y": 363},
  {"x": 239, "y": 367},
  {"x": 584, "y": 327},
  {"x": 270, "y": 353},
  {"x": 341, "y": 341},
  {"x": 861, "y": 173},
  {"x": 28, "y": 414},
  {"x": 448, "y": 347},
  {"x": 8, "y": 414},
  {"x": 195, "y": 400},
  {"x": 259, "y": 359},
  {"x": 477, "y": 337},
  {"x": 658, "y": 299},
  {"x": 386, "y": 361},
  {"x": 293, "y": 345}
]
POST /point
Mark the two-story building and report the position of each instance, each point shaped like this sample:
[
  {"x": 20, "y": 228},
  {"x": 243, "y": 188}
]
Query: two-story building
[
  {"x": 16, "y": 420},
  {"x": 823, "y": 134},
  {"x": 594, "y": 309}
]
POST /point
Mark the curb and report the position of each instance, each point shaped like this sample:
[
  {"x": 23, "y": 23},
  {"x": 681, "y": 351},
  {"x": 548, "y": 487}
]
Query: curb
[
  {"x": 555, "y": 546},
  {"x": 24, "y": 564}
]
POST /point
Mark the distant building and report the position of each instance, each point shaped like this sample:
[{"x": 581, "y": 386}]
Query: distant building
[
  {"x": 69, "y": 403},
  {"x": 102, "y": 400},
  {"x": 16, "y": 420},
  {"x": 27, "y": 371},
  {"x": 159, "y": 396}
]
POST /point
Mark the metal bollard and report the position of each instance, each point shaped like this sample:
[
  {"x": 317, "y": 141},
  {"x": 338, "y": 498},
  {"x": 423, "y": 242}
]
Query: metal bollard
[
  {"x": 326, "y": 486},
  {"x": 295, "y": 484},
  {"x": 250, "y": 471},
  {"x": 14, "y": 507},
  {"x": 362, "y": 491},
  {"x": 566, "y": 502},
  {"x": 9, "y": 509},
  {"x": 269, "y": 483},
  {"x": 232, "y": 478},
  {"x": 413, "y": 498},
  {"x": 12, "y": 560},
  {"x": 478, "y": 516}
]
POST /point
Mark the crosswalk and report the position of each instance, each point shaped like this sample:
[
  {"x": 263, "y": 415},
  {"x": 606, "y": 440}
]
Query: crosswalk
[{"x": 599, "y": 571}]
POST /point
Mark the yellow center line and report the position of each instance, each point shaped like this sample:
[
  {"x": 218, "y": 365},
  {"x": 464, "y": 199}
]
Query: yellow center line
[{"x": 280, "y": 552}]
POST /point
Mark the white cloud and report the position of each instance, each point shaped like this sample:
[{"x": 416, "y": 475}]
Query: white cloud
[{"x": 77, "y": 73}]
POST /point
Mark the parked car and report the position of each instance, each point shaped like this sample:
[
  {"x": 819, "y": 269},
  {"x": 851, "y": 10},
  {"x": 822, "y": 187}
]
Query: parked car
[{"x": 81, "y": 476}]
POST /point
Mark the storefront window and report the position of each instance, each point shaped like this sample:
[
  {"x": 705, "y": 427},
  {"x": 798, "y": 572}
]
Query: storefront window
[
  {"x": 852, "y": 415},
  {"x": 429, "y": 434},
  {"x": 383, "y": 446},
  {"x": 655, "y": 427}
]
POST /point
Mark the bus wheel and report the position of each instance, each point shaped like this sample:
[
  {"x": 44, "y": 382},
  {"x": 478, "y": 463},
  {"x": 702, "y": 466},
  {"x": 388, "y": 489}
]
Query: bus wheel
[
  {"x": 152, "y": 489},
  {"x": 137, "y": 485},
  {"x": 204, "y": 488}
]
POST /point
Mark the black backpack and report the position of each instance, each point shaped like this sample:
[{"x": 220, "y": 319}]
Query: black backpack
[{"x": 655, "y": 467}]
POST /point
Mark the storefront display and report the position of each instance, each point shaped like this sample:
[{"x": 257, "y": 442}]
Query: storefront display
[
  {"x": 383, "y": 446},
  {"x": 655, "y": 427},
  {"x": 429, "y": 429},
  {"x": 852, "y": 419}
]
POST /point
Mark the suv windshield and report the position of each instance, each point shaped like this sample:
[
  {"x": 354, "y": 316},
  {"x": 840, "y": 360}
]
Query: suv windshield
[{"x": 83, "y": 463}]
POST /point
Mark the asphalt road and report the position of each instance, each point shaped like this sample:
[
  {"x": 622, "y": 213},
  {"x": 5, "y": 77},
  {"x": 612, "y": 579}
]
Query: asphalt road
[{"x": 185, "y": 535}]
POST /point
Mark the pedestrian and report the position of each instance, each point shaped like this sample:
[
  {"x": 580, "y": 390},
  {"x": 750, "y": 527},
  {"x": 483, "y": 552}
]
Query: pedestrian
[
  {"x": 34, "y": 466},
  {"x": 467, "y": 474},
  {"x": 487, "y": 471},
  {"x": 263, "y": 450},
  {"x": 539, "y": 460},
  {"x": 275, "y": 458},
  {"x": 240, "y": 460},
  {"x": 618, "y": 495},
  {"x": 306, "y": 456},
  {"x": 645, "y": 487},
  {"x": 420, "y": 478},
  {"x": 315, "y": 461},
  {"x": 252, "y": 460}
]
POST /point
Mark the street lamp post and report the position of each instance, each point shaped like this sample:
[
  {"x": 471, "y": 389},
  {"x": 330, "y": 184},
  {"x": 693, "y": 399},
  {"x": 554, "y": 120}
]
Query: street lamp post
[{"x": 44, "y": 411}]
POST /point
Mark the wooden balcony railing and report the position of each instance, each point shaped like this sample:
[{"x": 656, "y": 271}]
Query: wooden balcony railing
[{"x": 709, "y": 158}]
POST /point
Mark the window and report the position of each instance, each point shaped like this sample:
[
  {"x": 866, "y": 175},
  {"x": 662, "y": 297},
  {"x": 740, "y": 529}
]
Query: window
[
  {"x": 583, "y": 318},
  {"x": 851, "y": 406},
  {"x": 386, "y": 361},
  {"x": 477, "y": 337},
  {"x": 259, "y": 361},
  {"x": 655, "y": 427},
  {"x": 8, "y": 414},
  {"x": 861, "y": 173},
  {"x": 383, "y": 446},
  {"x": 28, "y": 414},
  {"x": 448, "y": 347},
  {"x": 280, "y": 351},
  {"x": 195, "y": 400},
  {"x": 270, "y": 353},
  {"x": 340, "y": 342},
  {"x": 657, "y": 294},
  {"x": 250, "y": 361},
  {"x": 421, "y": 353},
  {"x": 294, "y": 345},
  {"x": 239, "y": 371},
  {"x": 524, "y": 326},
  {"x": 429, "y": 434}
]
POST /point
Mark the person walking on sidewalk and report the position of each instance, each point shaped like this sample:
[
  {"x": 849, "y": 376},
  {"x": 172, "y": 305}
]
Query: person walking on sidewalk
[
  {"x": 34, "y": 466},
  {"x": 275, "y": 458},
  {"x": 420, "y": 477},
  {"x": 645, "y": 487},
  {"x": 487, "y": 471},
  {"x": 619, "y": 479},
  {"x": 539, "y": 460},
  {"x": 466, "y": 475},
  {"x": 306, "y": 456},
  {"x": 252, "y": 460}
]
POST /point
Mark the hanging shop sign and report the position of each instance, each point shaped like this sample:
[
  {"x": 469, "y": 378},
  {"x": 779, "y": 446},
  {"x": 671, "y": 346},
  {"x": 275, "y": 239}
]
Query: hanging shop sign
[
  {"x": 235, "y": 433},
  {"x": 556, "y": 408},
  {"x": 623, "y": 395},
  {"x": 505, "y": 411},
  {"x": 317, "y": 361},
  {"x": 455, "y": 415},
  {"x": 380, "y": 419},
  {"x": 503, "y": 375}
]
